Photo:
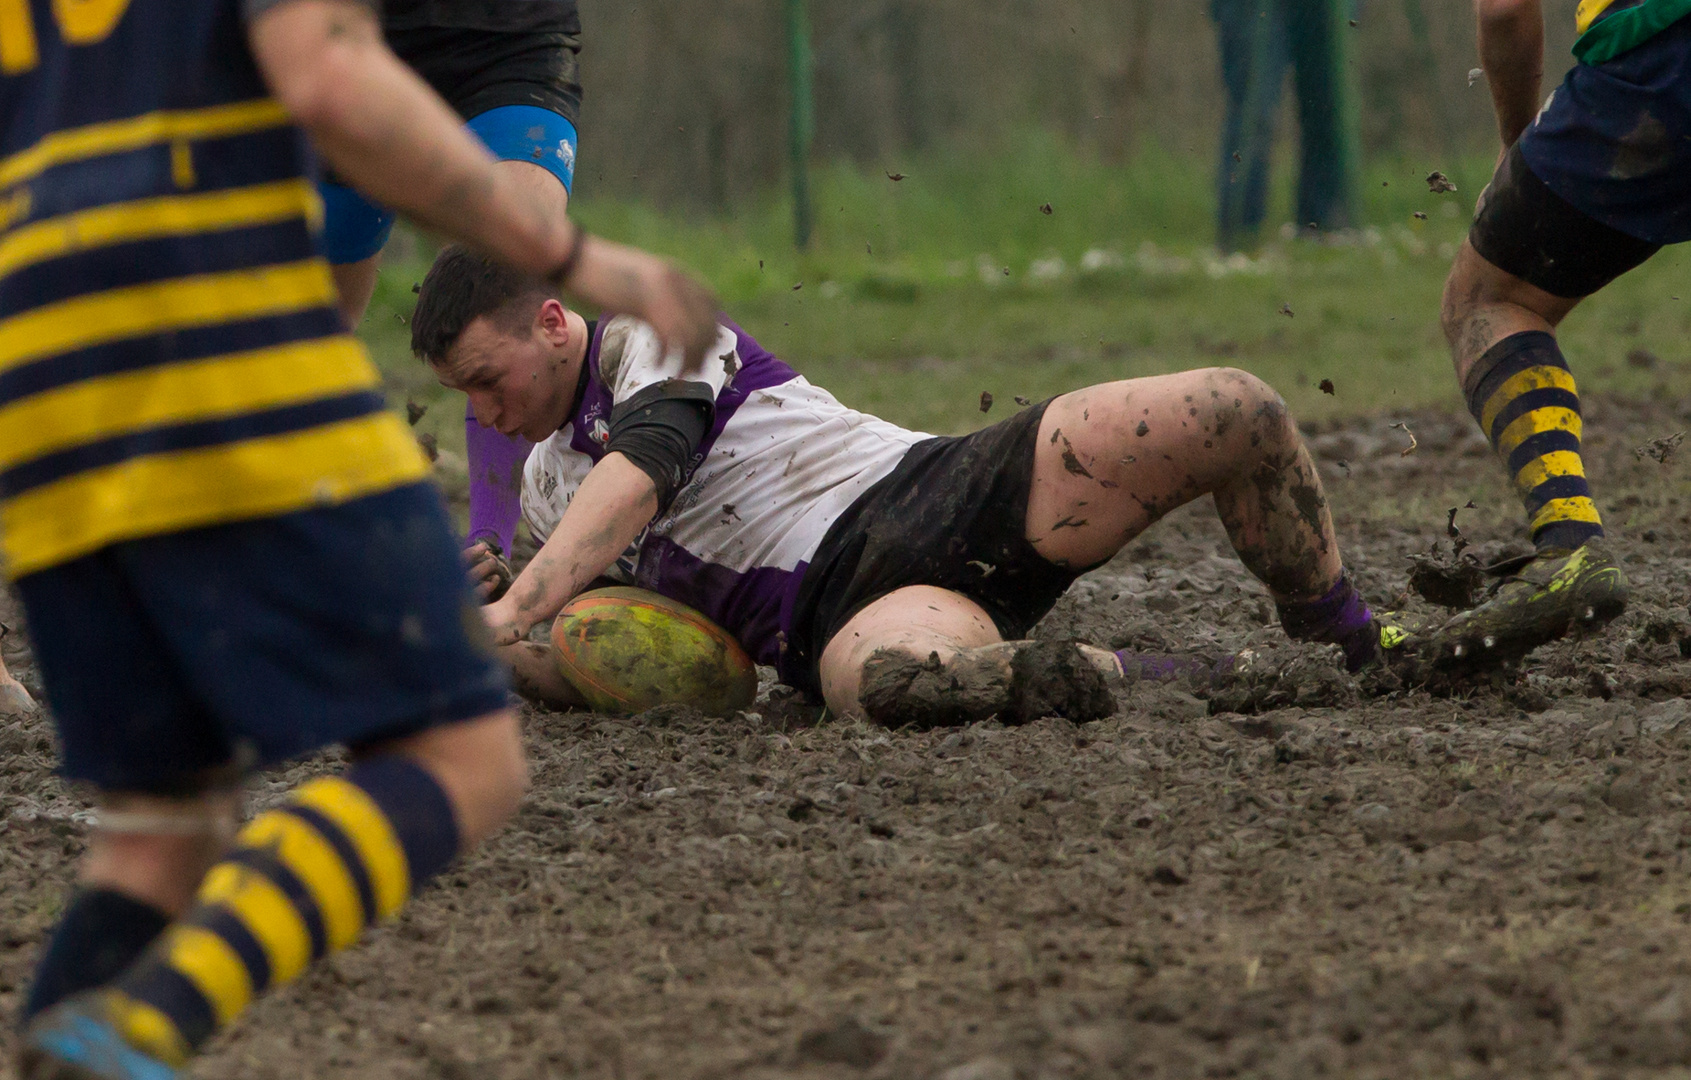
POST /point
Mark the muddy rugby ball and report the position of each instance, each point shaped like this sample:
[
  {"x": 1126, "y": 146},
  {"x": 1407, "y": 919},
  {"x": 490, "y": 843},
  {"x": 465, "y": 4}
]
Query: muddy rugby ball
[{"x": 627, "y": 650}]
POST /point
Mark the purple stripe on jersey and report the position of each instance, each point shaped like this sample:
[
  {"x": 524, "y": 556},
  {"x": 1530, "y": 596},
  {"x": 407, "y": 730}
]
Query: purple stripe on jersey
[
  {"x": 754, "y": 605},
  {"x": 595, "y": 402}
]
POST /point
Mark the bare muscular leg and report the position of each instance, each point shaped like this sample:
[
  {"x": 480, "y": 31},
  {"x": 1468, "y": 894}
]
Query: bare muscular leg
[
  {"x": 1484, "y": 304},
  {"x": 1112, "y": 459}
]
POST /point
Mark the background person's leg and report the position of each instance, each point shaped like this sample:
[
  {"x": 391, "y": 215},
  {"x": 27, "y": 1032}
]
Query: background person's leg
[
  {"x": 1252, "y": 39},
  {"x": 1317, "y": 42}
]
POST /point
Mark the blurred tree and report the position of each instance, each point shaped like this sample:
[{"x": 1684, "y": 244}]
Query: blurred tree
[{"x": 686, "y": 99}]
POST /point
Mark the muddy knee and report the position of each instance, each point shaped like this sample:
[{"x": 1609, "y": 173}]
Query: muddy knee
[
  {"x": 1015, "y": 681},
  {"x": 1243, "y": 395},
  {"x": 899, "y": 688}
]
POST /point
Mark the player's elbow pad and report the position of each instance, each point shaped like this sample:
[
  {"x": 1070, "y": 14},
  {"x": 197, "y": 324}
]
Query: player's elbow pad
[{"x": 661, "y": 436}]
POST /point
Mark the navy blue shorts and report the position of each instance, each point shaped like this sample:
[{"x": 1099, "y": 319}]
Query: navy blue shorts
[
  {"x": 1615, "y": 139},
  {"x": 178, "y": 661}
]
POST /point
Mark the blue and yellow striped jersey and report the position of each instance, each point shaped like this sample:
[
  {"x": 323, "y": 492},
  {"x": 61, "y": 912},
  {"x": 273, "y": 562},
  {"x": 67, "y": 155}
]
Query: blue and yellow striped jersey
[{"x": 171, "y": 355}]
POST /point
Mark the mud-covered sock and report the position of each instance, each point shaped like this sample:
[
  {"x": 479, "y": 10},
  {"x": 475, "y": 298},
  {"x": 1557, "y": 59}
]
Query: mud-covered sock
[
  {"x": 301, "y": 881},
  {"x": 101, "y": 933},
  {"x": 496, "y": 482},
  {"x": 1524, "y": 397},
  {"x": 1172, "y": 667},
  {"x": 1340, "y": 617}
]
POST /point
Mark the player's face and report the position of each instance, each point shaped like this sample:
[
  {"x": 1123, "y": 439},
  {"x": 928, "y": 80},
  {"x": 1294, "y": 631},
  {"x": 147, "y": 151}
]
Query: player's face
[{"x": 516, "y": 382}]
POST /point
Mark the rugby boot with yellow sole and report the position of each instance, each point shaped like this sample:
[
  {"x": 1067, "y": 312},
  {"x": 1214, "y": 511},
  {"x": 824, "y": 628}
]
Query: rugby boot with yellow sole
[
  {"x": 77, "y": 1040},
  {"x": 1549, "y": 597}
]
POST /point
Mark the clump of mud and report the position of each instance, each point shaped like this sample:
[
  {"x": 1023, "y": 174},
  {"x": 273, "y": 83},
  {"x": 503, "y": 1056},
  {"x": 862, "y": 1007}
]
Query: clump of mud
[
  {"x": 1043, "y": 678},
  {"x": 1456, "y": 581},
  {"x": 900, "y": 690},
  {"x": 1283, "y": 676},
  {"x": 1054, "y": 678}
]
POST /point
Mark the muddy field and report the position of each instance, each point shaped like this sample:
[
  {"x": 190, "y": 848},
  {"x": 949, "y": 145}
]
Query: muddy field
[{"x": 1490, "y": 884}]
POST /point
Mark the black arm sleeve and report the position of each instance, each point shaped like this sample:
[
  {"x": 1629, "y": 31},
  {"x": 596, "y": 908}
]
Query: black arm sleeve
[{"x": 659, "y": 429}]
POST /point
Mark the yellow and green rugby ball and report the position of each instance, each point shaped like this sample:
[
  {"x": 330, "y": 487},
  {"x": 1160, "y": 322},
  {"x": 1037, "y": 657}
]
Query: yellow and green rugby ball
[{"x": 627, "y": 650}]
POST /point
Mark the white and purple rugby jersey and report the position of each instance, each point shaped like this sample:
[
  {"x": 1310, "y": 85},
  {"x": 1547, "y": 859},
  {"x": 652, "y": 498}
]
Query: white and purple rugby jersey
[{"x": 781, "y": 462}]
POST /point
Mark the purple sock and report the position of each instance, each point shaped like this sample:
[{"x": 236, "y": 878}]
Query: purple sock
[
  {"x": 1170, "y": 667},
  {"x": 1341, "y": 617},
  {"x": 496, "y": 482}
]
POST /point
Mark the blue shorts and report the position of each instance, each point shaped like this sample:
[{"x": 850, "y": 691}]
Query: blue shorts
[
  {"x": 354, "y": 228},
  {"x": 178, "y": 661},
  {"x": 1615, "y": 140}
]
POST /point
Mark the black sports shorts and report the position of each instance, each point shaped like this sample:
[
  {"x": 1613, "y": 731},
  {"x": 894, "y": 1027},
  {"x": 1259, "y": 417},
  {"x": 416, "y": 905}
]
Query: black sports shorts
[
  {"x": 1528, "y": 230},
  {"x": 478, "y": 70},
  {"x": 952, "y": 514}
]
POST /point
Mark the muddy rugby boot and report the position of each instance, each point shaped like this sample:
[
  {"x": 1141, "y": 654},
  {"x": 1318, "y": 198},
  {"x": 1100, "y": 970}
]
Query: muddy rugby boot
[
  {"x": 77, "y": 1040},
  {"x": 1539, "y": 600}
]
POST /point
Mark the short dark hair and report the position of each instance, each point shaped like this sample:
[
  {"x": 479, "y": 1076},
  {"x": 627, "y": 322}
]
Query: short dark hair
[{"x": 463, "y": 286}]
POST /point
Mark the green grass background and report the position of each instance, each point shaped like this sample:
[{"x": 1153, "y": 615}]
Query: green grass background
[{"x": 903, "y": 306}]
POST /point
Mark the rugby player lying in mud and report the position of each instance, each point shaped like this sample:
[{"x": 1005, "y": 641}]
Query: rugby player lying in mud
[{"x": 869, "y": 564}]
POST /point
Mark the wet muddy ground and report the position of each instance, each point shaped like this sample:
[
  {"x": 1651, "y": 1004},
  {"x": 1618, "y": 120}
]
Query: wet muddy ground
[{"x": 1332, "y": 884}]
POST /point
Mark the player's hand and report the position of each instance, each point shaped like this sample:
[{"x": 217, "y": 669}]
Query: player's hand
[
  {"x": 504, "y": 623},
  {"x": 683, "y": 312},
  {"x": 677, "y": 305},
  {"x": 490, "y": 574}
]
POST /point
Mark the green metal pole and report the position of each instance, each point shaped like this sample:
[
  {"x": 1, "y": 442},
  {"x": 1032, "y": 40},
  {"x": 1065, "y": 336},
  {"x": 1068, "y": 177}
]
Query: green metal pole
[{"x": 801, "y": 122}]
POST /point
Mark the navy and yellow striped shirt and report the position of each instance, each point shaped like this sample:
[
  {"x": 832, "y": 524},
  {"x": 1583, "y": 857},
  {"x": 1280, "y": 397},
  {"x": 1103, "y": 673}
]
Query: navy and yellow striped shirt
[{"x": 171, "y": 355}]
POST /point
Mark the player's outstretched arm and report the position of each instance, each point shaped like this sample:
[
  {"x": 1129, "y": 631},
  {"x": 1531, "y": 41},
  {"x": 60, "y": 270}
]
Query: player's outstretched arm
[
  {"x": 615, "y": 501},
  {"x": 393, "y": 138},
  {"x": 1511, "y": 38}
]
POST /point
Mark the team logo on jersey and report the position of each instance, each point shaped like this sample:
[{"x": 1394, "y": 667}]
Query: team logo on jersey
[
  {"x": 566, "y": 154},
  {"x": 601, "y": 432}
]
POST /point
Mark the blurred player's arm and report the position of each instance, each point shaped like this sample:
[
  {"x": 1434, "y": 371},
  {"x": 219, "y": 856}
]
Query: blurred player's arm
[
  {"x": 389, "y": 135},
  {"x": 1511, "y": 38},
  {"x": 616, "y": 500}
]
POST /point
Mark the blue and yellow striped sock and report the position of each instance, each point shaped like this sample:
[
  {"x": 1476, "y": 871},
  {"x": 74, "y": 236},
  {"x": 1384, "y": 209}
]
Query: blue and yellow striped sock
[
  {"x": 302, "y": 880},
  {"x": 1524, "y": 397}
]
